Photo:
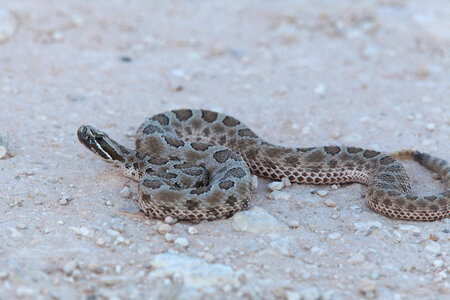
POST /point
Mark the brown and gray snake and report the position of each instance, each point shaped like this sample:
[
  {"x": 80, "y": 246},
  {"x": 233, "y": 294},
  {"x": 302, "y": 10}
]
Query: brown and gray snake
[{"x": 196, "y": 164}]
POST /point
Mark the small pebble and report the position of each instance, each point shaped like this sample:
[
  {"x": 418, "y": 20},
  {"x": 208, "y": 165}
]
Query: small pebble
[
  {"x": 286, "y": 181},
  {"x": 277, "y": 195},
  {"x": 3, "y": 145},
  {"x": 334, "y": 236},
  {"x": 118, "y": 269},
  {"x": 291, "y": 295},
  {"x": 430, "y": 126},
  {"x": 320, "y": 89},
  {"x": 3, "y": 275},
  {"x": 14, "y": 232},
  {"x": 112, "y": 232},
  {"x": 192, "y": 230},
  {"x": 69, "y": 267},
  {"x": 84, "y": 231},
  {"x": 427, "y": 142},
  {"x": 438, "y": 263},
  {"x": 367, "y": 286},
  {"x": 330, "y": 203},
  {"x": 109, "y": 280},
  {"x": 209, "y": 257},
  {"x": 409, "y": 228},
  {"x": 433, "y": 247},
  {"x": 293, "y": 224},
  {"x": 108, "y": 203},
  {"x": 21, "y": 226},
  {"x": 100, "y": 242},
  {"x": 170, "y": 220},
  {"x": 182, "y": 242},
  {"x": 164, "y": 228},
  {"x": 8, "y": 25},
  {"x": 310, "y": 293},
  {"x": 57, "y": 36},
  {"x": 64, "y": 201},
  {"x": 356, "y": 259},
  {"x": 322, "y": 193},
  {"x": 126, "y": 192},
  {"x": 334, "y": 187},
  {"x": 275, "y": 186},
  {"x": 170, "y": 237}
]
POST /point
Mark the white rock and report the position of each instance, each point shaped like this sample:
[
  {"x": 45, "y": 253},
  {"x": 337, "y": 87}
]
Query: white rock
[
  {"x": 170, "y": 220},
  {"x": 286, "y": 181},
  {"x": 21, "y": 226},
  {"x": 164, "y": 228},
  {"x": 367, "y": 286},
  {"x": 3, "y": 143},
  {"x": 317, "y": 250},
  {"x": 334, "y": 187},
  {"x": 3, "y": 275},
  {"x": 14, "y": 233},
  {"x": 3, "y": 151},
  {"x": 69, "y": 267},
  {"x": 194, "y": 272},
  {"x": 311, "y": 293},
  {"x": 275, "y": 185},
  {"x": 427, "y": 142},
  {"x": 430, "y": 126},
  {"x": 282, "y": 246},
  {"x": 113, "y": 233},
  {"x": 433, "y": 247},
  {"x": 291, "y": 295},
  {"x": 320, "y": 89},
  {"x": 8, "y": 25},
  {"x": 255, "y": 182},
  {"x": 356, "y": 259},
  {"x": 293, "y": 224},
  {"x": 126, "y": 192},
  {"x": 192, "y": 230},
  {"x": 182, "y": 242},
  {"x": 110, "y": 280},
  {"x": 334, "y": 236},
  {"x": 64, "y": 200},
  {"x": 330, "y": 203},
  {"x": 438, "y": 263},
  {"x": 100, "y": 242},
  {"x": 367, "y": 227},
  {"x": 83, "y": 231},
  {"x": 170, "y": 237},
  {"x": 278, "y": 195},
  {"x": 409, "y": 228},
  {"x": 258, "y": 221},
  {"x": 322, "y": 193}
]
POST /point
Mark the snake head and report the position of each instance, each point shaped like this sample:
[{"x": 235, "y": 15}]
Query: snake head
[{"x": 100, "y": 143}]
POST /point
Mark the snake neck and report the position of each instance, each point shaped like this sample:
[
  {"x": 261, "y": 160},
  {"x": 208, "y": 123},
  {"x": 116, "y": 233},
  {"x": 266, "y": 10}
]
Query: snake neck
[{"x": 109, "y": 150}]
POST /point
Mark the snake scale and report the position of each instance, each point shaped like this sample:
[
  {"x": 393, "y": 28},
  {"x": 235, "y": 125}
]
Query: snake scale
[{"x": 197, "y": 164}]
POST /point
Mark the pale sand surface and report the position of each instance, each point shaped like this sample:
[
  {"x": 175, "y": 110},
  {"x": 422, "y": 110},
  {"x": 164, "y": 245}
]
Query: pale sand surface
[{"x": 374, "y": 74}]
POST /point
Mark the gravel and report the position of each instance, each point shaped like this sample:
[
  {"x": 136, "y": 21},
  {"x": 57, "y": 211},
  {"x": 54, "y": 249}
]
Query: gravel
[{"x": 332, "y": 73}]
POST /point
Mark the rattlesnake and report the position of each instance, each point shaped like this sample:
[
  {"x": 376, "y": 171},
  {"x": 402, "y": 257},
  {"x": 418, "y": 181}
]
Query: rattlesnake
[{"x": 197, "y": 164}]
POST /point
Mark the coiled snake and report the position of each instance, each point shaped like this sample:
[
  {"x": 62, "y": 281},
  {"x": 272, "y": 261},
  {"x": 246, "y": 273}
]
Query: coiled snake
[{"x": 197, "y": 164}]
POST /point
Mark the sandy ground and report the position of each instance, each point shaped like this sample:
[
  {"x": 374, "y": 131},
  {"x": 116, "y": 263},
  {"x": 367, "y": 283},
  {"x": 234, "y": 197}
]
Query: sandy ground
[{"x": 374, "y": 74}]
